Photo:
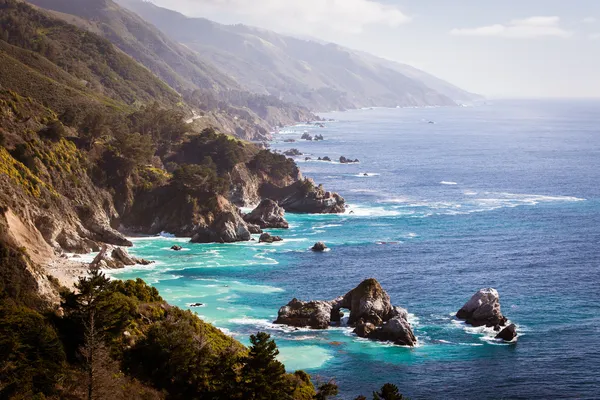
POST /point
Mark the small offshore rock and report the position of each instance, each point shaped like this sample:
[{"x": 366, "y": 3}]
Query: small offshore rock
[
  {"x": 306, "y": 136},
  {"x": 267, "y": 238},
  {"x": 196, "y": 305},
  {"x": 268, "y": 214},
  {"x": 319, "y": 246},
  {"x": 176, "y": 247},
  {"x": 507, "y": 334},
  {"x": 292, "y": 152}
]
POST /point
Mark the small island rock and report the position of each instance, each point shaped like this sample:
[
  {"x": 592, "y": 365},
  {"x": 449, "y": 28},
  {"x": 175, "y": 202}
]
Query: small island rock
[
  {"x": 507, "y": 334},
  {"x": 267, "y": 238},
  {"x": 319, "y": 246},
  {"x": 176, "y": 247}
]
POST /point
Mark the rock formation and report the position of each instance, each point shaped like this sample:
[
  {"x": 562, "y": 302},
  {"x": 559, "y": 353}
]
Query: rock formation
[
  {"x": 267, "y": 214},
  {"x": 319, "y": 246},
  {"x": 292, "y": 152},
  {"x": 267, "y": 238},
  {"x": 371, "y": 313},
  {"x": 306, "y": 136},
  {"x": 304, "y": 197},
  {"x": 224, "y": 225},
  {"x": 344, "y": 160},
  {"x": 483, "y": 309},
  {"x": 111, "y": 257},
  {"x": 176, "y": 247}
]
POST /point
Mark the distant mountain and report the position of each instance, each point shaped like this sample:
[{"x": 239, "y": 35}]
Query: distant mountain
[
  {"x": 219, "y": 99},
  {"x": 316, "y": 75}
]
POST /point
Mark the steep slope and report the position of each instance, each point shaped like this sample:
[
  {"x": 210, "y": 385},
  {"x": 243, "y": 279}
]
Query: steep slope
[
  {"x": 319, "y": 76},
  {"x": 217, "y": 96}
]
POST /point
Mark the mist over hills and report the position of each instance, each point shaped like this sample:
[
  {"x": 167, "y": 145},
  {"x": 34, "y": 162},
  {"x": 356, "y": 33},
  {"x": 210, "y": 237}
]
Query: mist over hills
[{"x": 316, "y": 75}]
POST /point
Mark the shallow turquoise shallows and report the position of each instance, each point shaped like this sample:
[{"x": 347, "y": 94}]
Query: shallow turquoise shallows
[{"x": 503, "y": 195}]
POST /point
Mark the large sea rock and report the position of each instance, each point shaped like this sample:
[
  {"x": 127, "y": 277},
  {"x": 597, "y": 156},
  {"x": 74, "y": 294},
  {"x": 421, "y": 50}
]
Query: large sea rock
[
  {"x": 371, "y": 314},
  {"x": 313, "y": 314},
  {"x": 483, "y": 309},
  {"x": 266, "y": 215}
]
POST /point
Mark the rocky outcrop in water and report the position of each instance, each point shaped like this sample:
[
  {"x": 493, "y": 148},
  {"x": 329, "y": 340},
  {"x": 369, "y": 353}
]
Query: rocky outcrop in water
[
  {"x": 319, "y": 246},
  {"x": 292, "y": 152},
  {"x": 319, "y": 137},
  {"x": 315, "y": 314},
  {"x": 111, "y": 257},
  {"x": 266, "y": 215},
  {"x": 344, "y": 160},
  {"x": 304, "y": 197},
  {"x": 176, "y": 247},
  {"x": 507, "y": 334},
  {"x": 483, "y": 309},
  {"x": 225, "y": 226},
  {"x": 267, "y": 238},
  {"x": 306, "y": 136},
  {"x": 371, "y": 313}
]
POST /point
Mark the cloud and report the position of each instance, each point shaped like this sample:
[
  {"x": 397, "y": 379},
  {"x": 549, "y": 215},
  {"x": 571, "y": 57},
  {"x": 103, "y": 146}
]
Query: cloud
[
  {"x": 532, "y": 27},
  {"x": 589, "y": 20},
  {"x": 297, "y": 16}
]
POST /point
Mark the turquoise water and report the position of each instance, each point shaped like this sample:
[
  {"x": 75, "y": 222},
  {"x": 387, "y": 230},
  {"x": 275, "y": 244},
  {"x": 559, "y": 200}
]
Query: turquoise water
[{"x": 503, "y": 195}]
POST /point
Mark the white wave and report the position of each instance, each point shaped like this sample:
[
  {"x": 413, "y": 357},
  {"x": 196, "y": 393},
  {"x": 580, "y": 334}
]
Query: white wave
[
  {"x": 448, "y": 183},
  {"x": 365, "y": 211},
  {"x": 166, "y": 234},
  {"x": 364, "y": 191}
]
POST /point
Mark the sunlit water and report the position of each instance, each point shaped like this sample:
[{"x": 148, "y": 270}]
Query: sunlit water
[{"x": 504, "y": 195}]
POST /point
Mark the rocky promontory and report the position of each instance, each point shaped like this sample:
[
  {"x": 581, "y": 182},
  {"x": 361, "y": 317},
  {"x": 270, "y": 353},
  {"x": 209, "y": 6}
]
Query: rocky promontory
[
  {"x": 111, "y": 257},
  {"x": 371, "y": 313},
  {"x": 304, "y": 197}
]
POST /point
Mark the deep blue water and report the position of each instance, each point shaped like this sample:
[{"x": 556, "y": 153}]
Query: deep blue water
[{"x": 505, "y": 195}]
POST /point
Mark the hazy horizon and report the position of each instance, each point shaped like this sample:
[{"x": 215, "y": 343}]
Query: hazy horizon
[{"x": 542, "y": 49}]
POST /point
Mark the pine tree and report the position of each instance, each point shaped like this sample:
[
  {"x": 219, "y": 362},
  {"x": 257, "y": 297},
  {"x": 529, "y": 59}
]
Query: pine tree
[
  {"x": 388, "y": 392},
  {"x": 263, "y": 377}
]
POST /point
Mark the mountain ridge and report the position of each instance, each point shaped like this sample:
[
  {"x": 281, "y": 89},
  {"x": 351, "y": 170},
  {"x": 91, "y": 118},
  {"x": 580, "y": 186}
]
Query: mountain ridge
[{"x": 322, "y": 77}]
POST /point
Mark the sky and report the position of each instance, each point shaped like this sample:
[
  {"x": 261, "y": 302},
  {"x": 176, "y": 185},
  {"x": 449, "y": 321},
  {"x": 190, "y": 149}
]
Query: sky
[{"x": 509, "y": 48}]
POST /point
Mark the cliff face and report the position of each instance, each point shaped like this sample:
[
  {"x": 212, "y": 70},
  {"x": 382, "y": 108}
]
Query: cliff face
[{"x": 44, "y": 180}]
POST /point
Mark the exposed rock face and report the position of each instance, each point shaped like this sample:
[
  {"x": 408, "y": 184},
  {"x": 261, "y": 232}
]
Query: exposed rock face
[
  {"x": 304, "y": 197},
  {"x": 227, "y": 226},
  {"x": 507, "y": 334},
  {"x": 306, "y": 136},
  {"x": 319, "y": 246},
  {"x": 315, "y": 314},
  {"x": 395, "y": 330},
  {"x": 115, "y": 257},
  {"x": 267, "y": 238},
  {"x": 254, "y": 229},
  {"x": 369, "y": 302},
  {"x": 483, "y": 309},
  {"x": 267, "y": 214},
  {"x": 371, "y": 313}
]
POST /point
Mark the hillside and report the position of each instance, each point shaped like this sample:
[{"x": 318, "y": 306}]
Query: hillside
[
  {"x": 215, "y": 95},
  {"x": 318, "y": 76}
]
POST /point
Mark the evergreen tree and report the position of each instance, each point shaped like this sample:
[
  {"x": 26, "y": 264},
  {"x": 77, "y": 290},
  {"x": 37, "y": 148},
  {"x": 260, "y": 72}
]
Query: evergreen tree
[
  {"x": 263, "y": 377},
  {"x": 326, "y": 390},
  {"x": 388, "y": 392}
]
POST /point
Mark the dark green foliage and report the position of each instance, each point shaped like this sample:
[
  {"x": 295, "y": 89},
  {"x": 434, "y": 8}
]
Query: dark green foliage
[
  {"x": 225, "y": 151},
  {"x": 326, "y": 390},
  {"x": 199, "y": 180},
  {"x": 136, "y": 148},
  {"x": 263, "y": 377},
  {"x": 388, "y": 392},
  {"x": 276, "y": 165},
  {"x": 31, "y": 355},
  {"x": 164, "y": 126}
]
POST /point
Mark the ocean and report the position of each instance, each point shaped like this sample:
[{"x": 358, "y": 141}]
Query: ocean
[{"x": 504, "y": 194}]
